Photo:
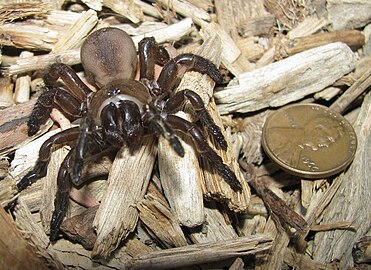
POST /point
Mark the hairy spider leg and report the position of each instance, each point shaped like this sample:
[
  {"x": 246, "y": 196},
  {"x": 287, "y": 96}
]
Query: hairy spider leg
[
  {"x": 150, "y": 53},
  {"x": 203, "y": 148},
  {"x": 40, "y": 168},
  {"x": 61, "y": 200},
  {"x": 174, "y": 102},
  {"x": 122, "y": 123},
  {"x": 69, "y": 77},
  {"x": 70, "y": 101},
  {"x": 89, "y": 145},
  {"x": 172, "y": 73}
]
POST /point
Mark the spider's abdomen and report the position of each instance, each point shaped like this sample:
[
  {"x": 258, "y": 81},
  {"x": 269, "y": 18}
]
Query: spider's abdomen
[{"x": 107, "y": 55}]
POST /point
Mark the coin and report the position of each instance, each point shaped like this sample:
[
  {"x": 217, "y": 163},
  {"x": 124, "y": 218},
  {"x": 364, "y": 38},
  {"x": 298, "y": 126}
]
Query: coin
[{"x": 309, "y": 140}]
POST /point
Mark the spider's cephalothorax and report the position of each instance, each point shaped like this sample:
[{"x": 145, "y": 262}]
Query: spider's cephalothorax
[{"x": 122, "y": 110}]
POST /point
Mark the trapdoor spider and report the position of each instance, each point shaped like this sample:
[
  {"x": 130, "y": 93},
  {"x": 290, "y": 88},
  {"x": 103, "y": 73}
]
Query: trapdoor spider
[{"x": 123, "y": 110}]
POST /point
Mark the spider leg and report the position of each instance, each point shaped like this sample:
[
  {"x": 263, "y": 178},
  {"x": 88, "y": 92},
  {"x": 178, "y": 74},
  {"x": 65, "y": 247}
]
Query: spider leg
[
  {"x": 44, "y": 156},
  {"x": 172, "y": 71},
  {"x": 213, "y": 129},
  {"x": 69, "y": 101},
  {"x": 61, "y": 200},
  {"x": 70, "y": 79},
  {"x": 89, "y": 143},
  {"x": 150, "y": 53},
  {"x": 54, "y": 98},
  {"x": 204, "y": 149}
]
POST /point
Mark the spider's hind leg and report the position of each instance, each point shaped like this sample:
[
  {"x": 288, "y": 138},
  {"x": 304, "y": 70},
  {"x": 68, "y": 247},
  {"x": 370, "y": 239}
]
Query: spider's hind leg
[
  {"x": 61, "y": 201},
  {"x": 204, "y": 149}
]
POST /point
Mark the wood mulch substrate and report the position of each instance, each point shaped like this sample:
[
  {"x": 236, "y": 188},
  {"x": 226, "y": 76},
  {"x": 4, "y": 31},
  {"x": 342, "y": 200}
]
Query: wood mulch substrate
[{"x": 153, "y": 210}]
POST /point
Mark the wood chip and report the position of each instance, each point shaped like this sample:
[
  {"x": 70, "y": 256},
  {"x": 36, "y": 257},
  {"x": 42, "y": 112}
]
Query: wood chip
[
  {"x": 295, "y": 77},
  {"x": 337, "y": 245},
  {"x": 117, "y": 215},
  {"x": 201, "y": 253}
]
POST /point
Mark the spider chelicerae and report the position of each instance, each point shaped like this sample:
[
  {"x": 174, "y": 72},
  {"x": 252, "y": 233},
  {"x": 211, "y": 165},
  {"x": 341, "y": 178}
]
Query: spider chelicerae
[{"x": 123, "y": 110}]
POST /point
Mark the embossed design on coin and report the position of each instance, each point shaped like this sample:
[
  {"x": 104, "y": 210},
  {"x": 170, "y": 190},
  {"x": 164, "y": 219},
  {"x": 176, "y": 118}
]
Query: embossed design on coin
[{"x": 309, "y": 140}]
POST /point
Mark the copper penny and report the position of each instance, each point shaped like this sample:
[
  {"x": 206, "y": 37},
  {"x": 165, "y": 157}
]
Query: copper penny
[{"x": 309, "y": 140}]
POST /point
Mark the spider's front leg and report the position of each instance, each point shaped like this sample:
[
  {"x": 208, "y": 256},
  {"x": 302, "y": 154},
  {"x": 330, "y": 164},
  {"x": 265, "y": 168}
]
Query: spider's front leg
[
  {"x": 70, "y": 101},
  {"x": 150, "y": 53},
  {"x": 213, "y": 129},
  {"x": 204, "y": 149},
  {"x": 174, "y": 70}
]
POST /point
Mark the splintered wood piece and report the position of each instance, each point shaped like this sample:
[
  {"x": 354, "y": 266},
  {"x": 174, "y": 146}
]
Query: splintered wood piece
[
  {"x": 171, "y": 33},
  {"x": 40, "y": 62},
  {"x": 15, "y": 252},
  {"x": 249, "y": 127},
  {"x": 147, "y": 8},
  {"x": 308, "y": 26},
  {"x": 201, "y": 253},
  {"x": 286, "y": 217},
  {"x": 28, "y": 36},
  {"x": 74, "y": 36},
  {"x": 353, "y": 38},
  {"x": 23, "y": 83},
  {"x": 230, "y": 52},
  {"x": 155, "y": 214},
  {"x": 257, "y": 26},
  {"x": 6, "y": 92},
  {"x": 287, "y": 80},
  {"x": 215, "y": 186},
  {"x": 13, "y": 126},
  {"x": 94, "y": 4},
  {"x": 289, "y": 13},
  {"x": 352, "y": 93},
  {"x": 127, "y": 8},
  {"x": 33, "y": 232},
  {"x": 349, "y": 203},
  {"x": 274, "y": 260},
  {"x": 8, "y": 191},
  {"x": 72, "y": 254},
  {"x": 300, "y": 261},
  {"x": 13, "y": 10},
  {"x": 186, "y": 9},
  {"x": 134, "y": 246},
  {"x": 246, "y": 18},
  {"x": 127, "y": 183},
  {"x": 238, "y": 264},
  {"x": 214, "y": 229}
]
